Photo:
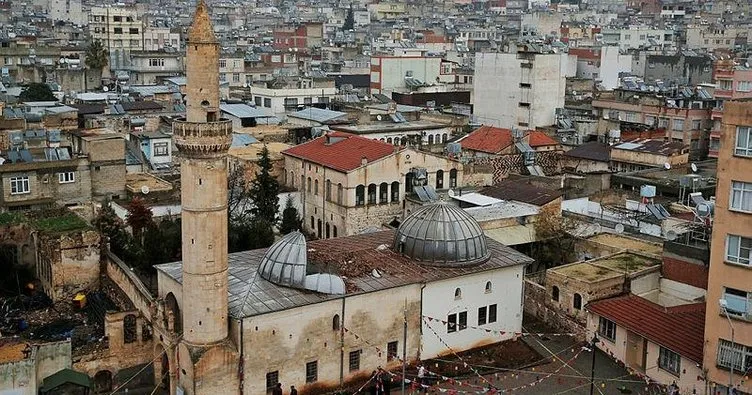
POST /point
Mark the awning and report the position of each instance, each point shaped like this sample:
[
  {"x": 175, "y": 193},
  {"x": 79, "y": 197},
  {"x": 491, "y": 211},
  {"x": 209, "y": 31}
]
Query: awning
[
  {"x": 512, "y": 235},
  {"x": 477, "y": 199},
  {"x": 51, "y": 383}
]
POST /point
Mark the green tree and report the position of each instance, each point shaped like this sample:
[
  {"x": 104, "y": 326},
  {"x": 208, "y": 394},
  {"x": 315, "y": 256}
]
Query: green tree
[
  {"x": 37, "y": 91},
  {"x": 290, "y": 218},
  {"x": 255, "y": 233},
  {"x": 96, "y": 58},
  {"x": 113, "y": 228},
  {"x": 139, "y": 217},
  {"x": 349, "y": 20},
  {"x": 264, "y": 191}
]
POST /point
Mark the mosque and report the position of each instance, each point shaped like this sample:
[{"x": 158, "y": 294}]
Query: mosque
[{"x": 321, "y": 313}]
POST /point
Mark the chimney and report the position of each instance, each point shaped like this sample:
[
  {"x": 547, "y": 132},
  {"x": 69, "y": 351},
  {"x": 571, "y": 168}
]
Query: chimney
[{"x": 363, "y": 161}]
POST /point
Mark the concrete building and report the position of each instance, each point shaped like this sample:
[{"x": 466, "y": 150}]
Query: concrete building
[
  {"x": 636, "y": 37},
  {"x": 26, "y": 369},
  {"x": 729, "y": 280},
  {"x": 603, "y": 65},
  {"x": 159, "y": 38},
  {"x": 289, "y": 99},
  {"x": 733, "y": 82},
  {"x": 120, "y": 29},
  {"x": 149, "y": 68},
  {"x": 68, "y": 11},
  {"x": 403, "y": 73},
  {"x": 641, "y": 154},
  {"x": 522, "y": 89},
  {"x": 712, "y": 37}
]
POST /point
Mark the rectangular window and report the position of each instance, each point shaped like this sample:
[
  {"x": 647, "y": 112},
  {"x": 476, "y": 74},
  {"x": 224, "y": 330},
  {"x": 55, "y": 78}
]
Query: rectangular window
[
  {"x": 725, "y": 85},
  {"x": 117, "y": 18},
  {"x": 741, "y": 196},
  {"x": 696, "y": 124},
  {"x": 157, "y": 62},
  {"x": 678, "y": 124},
  {"x": 257, "y": 101},
  {"x": 67, "y": 177},
  {"x": 222, "y": 63},
  {"x": 737, "y": 302},
  {"x": 650, "y": 120},
  {"x": 133, "y": 30},
  {"x": 391, "y": 350},
  {"x": 663, "y": 122},
  {"x": 740, "y": 354},
  {"x": 607, "y": 328},
  {"x": 482, "y": 317},
  {"x": 19, "y": 185},
  {"x": 161, "y": 149},
  {"x": 235, "y": 77},
  {"x": 118, "y": 30},
  {"x": 451, "y": 323},
  {"x": 744, "y": 86},
  {"x": 669, "y": 361},
  {"x": 272, "y": 378},
  {"x": 743, "y": 145},
  {"x": 354, "y": 361},
  {"x": 312, "y": 372},
  {"x": 267, "y": 103},
  {"x": 492, "y": 313},
  {"x": 462, "y": 321},
  {"x": 291, "y": 102}
]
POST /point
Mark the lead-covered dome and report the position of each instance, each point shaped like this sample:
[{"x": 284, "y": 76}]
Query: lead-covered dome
[
  {"x": 285, "y": 261},
  {"x": 441, "y": 234}
]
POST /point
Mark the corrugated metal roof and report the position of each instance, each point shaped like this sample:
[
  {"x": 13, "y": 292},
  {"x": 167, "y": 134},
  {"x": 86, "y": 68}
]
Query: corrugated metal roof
[
  {"x": 318, "y": 115},
  {"x": 243, "y": 111}
]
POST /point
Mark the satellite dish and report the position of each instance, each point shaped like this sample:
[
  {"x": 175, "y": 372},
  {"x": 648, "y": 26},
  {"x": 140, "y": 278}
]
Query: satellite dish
[
  {"x": 106, "y": 89},
  {"x": 667, "y": 166},
  {"x": 694, "y": 168},
  {"x": 671, "y": 235},
  {"x": 619, "y": 228},
  {"x": 145, "y": 189},
  {"x": 2, "y": 160},
  {"x": 450, "y": 193},
  {"x": 378, "y": 117},
  {"x": 563, "y": 139}
]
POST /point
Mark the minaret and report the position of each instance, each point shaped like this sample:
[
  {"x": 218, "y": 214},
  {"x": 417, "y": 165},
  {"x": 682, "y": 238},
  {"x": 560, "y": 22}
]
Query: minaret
[{"x": 203, "y": 139}]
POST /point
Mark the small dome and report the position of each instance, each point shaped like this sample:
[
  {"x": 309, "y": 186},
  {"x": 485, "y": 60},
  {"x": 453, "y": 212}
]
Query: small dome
[
  {"x": 442, "y": 234},
  {"x": 285, "y": 261}
]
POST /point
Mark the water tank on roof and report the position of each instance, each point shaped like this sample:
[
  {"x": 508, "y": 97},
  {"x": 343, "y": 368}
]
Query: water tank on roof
[
  {"x": 614, "y": 134},
  {"x": 647, "y": 191},
  {"x": 706, "y": 208}
]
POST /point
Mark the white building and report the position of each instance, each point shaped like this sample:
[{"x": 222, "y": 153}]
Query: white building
[
  {"x": 156, "y": 148},
  {"x": 639, "y": 37},
  {"x": 403, "y": 73},
  {"x": 68, "y": 11},
  {"x": 120, "y": 29},
  {"x": 288, "y": 99},
  {"x": 523, "y": 89},
  {"x": 159, "y": 38}
]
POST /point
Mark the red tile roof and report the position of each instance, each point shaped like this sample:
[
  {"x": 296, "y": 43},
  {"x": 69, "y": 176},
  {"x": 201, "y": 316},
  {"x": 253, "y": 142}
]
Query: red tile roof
[
  {"x": 539, "y": 139},
  {"x": 344, "y": 154},
  {"x": 584, "y": 53},
  {"x": 680, "y": 329},
  {"x": 488, "y": 139}
]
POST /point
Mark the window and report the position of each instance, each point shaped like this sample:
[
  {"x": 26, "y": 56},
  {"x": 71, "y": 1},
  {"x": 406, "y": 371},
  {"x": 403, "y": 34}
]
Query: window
[
  {"x": 19, "y": 185},
  {"x": 741, "y": 196},
  {"x": 738, "y": 249},
  {"x": 354, "y": 360},
  {"x": 118, "y": 30},
  {"x": 222, "y": 63},
  {"x": 316, "y": 187},
  {"x": 156, "y": 62},
  {"x": 577, "y": 301},
  {"x": 309, "y": 184},
  {"x": 272, "y": 378},
  {"x": 328, "y": 190},
  {"x": 409, "y": 182},
  {"x": 457, "y": 294},
  {"x": 489, "y": 287},
  {"x": 451, "y": 323},
  {"x": 384, "y": 193},
  {"x": 740, "y": 354},
  {"x": 650, "y": 120},
  {"x": 726, "y": 85},
  {"x": 257, "y": 101},
  {"x": 678, "y": 124},
  {"x": 360, "y": 195},
  {"x": 335, "y": 322},
  {"x": 391, "y": 350},
  {"x": 555, "y": 294},
  {"x": 312, "y": 372},
  {"x": 133, "y": 30},
  {"x": 340, "y": 192},
  {"x": 492, "y": 313},
  {"x": 669, "y": 361},
  {"x": 696, "y": 124},
  {"x": 462, "y": 324},
  {"x": 453, "y": 178},
  {"x": 235, "y": 77},
  {"x": 482, "y": 315},
  {"x": 743, "y": 146},
  {"x": 662, "y": 122},
  {"x": 291, "y": 102},
  {"x": 737, "y": 302},
  {"x": 372, "y": 194},
  {"x": 395, "y": 192},
  {"x": 607, "y": 328},
  {"x": 744, "y": 86},
  {"x": 161, "y": 149},
  {"x": 117, "y": 18},
  {"x": 67, "y": 177},
  {"x": 267, "y": 102},
  {"x": 439, "y": 179}
]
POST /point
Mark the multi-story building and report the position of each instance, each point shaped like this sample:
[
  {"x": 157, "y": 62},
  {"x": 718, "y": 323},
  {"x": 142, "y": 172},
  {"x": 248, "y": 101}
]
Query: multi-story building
[
  {"x": 712, "y": 37},
  {"x": 728, "y": 323},
  {"x": 120, "y": 29},
  {"x": 159, "y": 38},
  {"x": 349, "y": 183},
  {"x": 68, "y": 11},
  {"x": 149, "y": 67},
  {"x": 638, "y": 37},
  {"x": 732, "y": 82},
  {"x": 283, "y": 95},
  {"x": 232, "y": 69},
  {"x": 521, "y": 89},
  {"x": 403, "y": 73}
]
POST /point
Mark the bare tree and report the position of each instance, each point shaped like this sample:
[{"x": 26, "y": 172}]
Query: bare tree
[{"x": 556, "y": 242}]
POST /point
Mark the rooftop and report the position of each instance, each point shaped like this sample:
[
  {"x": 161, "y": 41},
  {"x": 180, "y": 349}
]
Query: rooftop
[
  {"x": 607, "y": 267},
  {"x": 680, "y": 329},
  {"x": 522, "y": 192},
  {"x": 252, "y": 151},
  {"x": 658, "y": 147},
  {"x": 492, "y": 140},
  {"x": 341, "y": 151},
  {"x": 629, "y": 243},
  {"x": 135, "y": 182},
  {"x": 12, "y": 352},
  {"x": 380, "y": 127},
  {"x": 319, "y": 115},
  {"x": 354, "y": 258},
  {"x": 593, "y": 150}
]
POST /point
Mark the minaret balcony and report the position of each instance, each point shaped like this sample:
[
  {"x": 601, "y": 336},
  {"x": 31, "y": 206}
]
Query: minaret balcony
[{"x": 202, "y": 139}]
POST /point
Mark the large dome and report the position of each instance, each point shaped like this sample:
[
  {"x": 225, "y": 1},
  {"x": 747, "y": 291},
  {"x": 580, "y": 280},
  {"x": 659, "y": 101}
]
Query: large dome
[
  {"x": 285, "y": 261},
  {"x": 443, "y": 235}
]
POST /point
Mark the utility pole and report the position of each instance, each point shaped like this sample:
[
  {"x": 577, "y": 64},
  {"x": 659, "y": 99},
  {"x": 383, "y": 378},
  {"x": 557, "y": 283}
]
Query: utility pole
[
  {"x": 404, "y": 348},
  {"x": 592, "y": 366}
]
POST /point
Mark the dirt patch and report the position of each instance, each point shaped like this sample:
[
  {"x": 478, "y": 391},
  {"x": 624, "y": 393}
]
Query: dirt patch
[{"x": 510, "y": 354}]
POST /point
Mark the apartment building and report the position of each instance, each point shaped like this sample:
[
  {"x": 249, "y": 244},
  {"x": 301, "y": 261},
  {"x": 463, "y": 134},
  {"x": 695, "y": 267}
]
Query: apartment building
[
  {"x": 733, "y": 82},
  {"x": 712, "y": 37},
  {"x": 120, "y": 29},
  {"x": 68, "y": 11},
  {"x": 728, "y": 323},
  {"x": 150, "y": 67},
  {"x": 232, "y": 69},
  {"x": 159, "y": 38},
  {"x": 638, "y": 37},
  {"x": 521, "y": 89},
  {"x": 403, "y": 73}
]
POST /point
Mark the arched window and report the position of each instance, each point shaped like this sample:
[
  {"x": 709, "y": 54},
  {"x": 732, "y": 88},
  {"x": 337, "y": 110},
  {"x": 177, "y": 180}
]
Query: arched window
[
  {"x": 384, "y": 193},
  {"x": 334, "y": 230},
  {"x": 372, "y": 194},
  {"x": 171, "y": 302},
  {"x": 316, "y": 187},
  {"x": 430, "y": 139},
  {"x": 555, "y": 294},
  {"x": 292, "y": 179},
  {"x": 339, "y": 193},
  {"x": 409, "y": 182},
  {"x": 403, "y": 141},
  {"x": 453, "y": 178},
  {"x": 335, "y": 322},
  {"x": 489, "y": 287},
  {"x": 309, "y": 184},
  {"x": 360, "y": 195},
  {"x": 129, "y": 329},
  {"x": 439, "y": 179},
  {"x": 328, "y": 190},
  {"x": 577, "y": 301},
  {"x": 457, "y": 294},
  {"x": 395, "y": 192},
  {"x": 444, "y": 138},
  {"x": 389, "y": 140}
]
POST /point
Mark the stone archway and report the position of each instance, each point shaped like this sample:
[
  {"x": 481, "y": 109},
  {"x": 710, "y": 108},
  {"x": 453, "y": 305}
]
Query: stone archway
[
  {"x": 171, "y": 303},
  {"x": 161, "y": 368},
  {"x": 103, "y": 382}
]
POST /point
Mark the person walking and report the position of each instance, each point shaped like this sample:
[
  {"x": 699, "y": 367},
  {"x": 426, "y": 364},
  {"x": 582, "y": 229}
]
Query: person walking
[{"x": 293, "y": 391}]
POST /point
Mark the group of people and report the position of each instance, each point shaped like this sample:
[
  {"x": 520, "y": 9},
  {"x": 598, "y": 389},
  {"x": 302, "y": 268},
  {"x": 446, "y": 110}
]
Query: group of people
[
  {"x": 381, "y": 382},
  {"x": 278, "y": 390}
]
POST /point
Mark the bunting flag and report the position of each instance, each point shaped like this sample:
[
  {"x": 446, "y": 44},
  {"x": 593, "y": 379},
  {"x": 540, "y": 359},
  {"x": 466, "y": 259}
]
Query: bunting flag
[{"x": 501, "y": 333}]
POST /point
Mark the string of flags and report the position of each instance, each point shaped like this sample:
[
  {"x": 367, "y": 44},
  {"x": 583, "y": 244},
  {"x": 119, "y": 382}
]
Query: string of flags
[
  {"x": 500, "y": 333},
  {"x": 378, "y": 349}
]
